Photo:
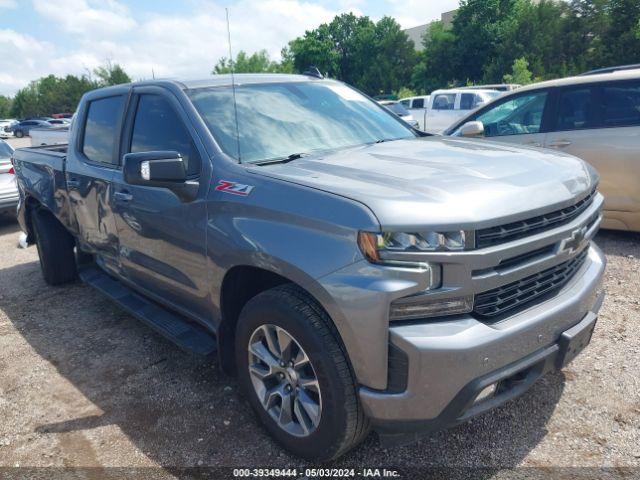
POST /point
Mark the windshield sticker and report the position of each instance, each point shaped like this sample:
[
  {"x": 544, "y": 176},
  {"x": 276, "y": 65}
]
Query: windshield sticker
[{"x": 234, "y": 188}]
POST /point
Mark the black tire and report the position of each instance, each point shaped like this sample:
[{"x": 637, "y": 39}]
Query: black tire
[
  {"x": 55, "y": 248},
  {"x": 343, "y": 423},
  {"x": 19, "y": 133}
]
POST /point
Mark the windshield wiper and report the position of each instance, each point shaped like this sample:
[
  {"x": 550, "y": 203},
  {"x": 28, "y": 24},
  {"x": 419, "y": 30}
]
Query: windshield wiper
[{"x": 287, "y": 159}]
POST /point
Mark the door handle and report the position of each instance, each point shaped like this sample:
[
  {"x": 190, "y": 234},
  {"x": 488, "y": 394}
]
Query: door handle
[
  {"x": 533, "y": 144},
  {"x": 122, "y": 197},
  {"x": 73, "y": 183},
  {"x": 560, "y": 143}
]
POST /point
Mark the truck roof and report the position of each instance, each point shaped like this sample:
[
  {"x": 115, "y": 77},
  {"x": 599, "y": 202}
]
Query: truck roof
[{"x": 224, "y": 80}]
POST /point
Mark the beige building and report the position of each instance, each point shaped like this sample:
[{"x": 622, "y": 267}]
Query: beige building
[{"x": 416, "y": 34}]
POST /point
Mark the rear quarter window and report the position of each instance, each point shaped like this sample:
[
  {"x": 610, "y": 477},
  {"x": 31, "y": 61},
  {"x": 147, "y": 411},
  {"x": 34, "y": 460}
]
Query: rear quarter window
[
  {"x": 101, "y": 130},
  {"x": 444, "y": 101},
  {"x": 621, "y": 104}
]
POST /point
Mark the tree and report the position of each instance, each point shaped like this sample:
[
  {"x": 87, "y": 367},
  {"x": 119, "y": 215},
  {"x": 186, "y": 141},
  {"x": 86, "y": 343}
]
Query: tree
[
  {"x": 479, "y": 27},
  {"x": 258, "y": 62},
  {"x": 5, "y": 106},
  {"x": 49, "y": 95},
  {"x": 520, "y": 72},
  {"x": 436, "y": 67},
  {"x": 404, "y": 92},
  {"x": 111, "y": 74},
  {"x": 376, "y": 57},
  {"x": 622, "y": 44}
]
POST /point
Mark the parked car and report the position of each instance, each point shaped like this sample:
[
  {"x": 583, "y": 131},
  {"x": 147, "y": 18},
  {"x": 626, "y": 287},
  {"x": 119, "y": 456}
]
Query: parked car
[
  {"x": 49, "y": 136},
  {"x": 417, "y": 107},
  {"x": 60, "y": 121},
  {"x": 44, "y": 119},
  {"x": 398, "y": 109},
  {"x": 352, "y": 271},
  {"x": 595, "y": 117},
  {"x": 8, "y": 188},
  {"x": 5, "y": 125},
  {"x": 447, "y": 106},
  {"x": 23, "y": 128}
]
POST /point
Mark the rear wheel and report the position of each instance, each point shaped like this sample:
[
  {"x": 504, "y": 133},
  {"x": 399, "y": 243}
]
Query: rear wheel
[
  {"x": 296, "y": 376},
  {"x": 55, "y": 248}
]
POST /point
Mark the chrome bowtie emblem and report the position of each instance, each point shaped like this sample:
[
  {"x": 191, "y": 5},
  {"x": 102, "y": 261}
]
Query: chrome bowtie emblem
[{"x": 575, "y": 241}]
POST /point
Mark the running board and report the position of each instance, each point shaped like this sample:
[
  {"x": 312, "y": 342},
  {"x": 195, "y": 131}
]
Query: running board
[{"x": 187, "y": 335}]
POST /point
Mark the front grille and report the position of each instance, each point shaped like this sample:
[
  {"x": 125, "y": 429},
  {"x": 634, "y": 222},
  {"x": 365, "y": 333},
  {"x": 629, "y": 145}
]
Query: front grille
[
  {"x": 488, "y": 237},
  {"x": 494, "y": 303}
]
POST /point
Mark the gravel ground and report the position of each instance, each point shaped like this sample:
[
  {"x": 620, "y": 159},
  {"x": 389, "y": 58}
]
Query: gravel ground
[{"x": 83, "y": 384}]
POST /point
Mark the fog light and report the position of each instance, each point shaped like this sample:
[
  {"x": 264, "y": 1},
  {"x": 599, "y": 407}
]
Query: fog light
[
  {"x": 409, "y": 308},
  {"x": 486, "y": 393}
]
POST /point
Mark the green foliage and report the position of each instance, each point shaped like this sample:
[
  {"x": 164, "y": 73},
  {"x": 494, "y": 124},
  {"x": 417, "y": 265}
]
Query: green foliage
[
  {"x": 436, "y": 67},
  {"x": 376, "y": 57},
  {"x": 5, "y": 106},
  {"x": 520, "y": 72},
  {"x": 258, "y": 62},
  {"x": 111, "y": 74},
  {"x": 557, "y": 38},
  {"x": 404, "y": 92},
  {"x": 53, "y": 94}
]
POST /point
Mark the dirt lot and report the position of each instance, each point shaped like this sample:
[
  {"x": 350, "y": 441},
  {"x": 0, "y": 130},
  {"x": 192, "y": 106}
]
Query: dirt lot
[{"x": 84, "y": 384}]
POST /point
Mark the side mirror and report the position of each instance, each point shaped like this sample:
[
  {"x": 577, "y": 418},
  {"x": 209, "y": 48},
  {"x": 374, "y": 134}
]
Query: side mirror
[
  {"x": 471, "y": 129},
  {"x": 162, "y": 169}
]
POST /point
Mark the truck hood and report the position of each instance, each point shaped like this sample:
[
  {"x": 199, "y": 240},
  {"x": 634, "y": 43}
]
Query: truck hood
[{"x": 444, "y": 182}]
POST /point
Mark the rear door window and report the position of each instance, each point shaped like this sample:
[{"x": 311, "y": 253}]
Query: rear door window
[
  {"x": 157, "y": 126},
  {"x": 418, "y": 103},
  {"x": 576, "y": 109},
  {"x": 621, "y": 104},
  {"x": 469, "y": 101},
  {"x": 101, "y": 129},
  {"x": 444, "y": 101}
]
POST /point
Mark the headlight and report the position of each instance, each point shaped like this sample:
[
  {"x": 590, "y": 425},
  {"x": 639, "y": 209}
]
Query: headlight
[
  {"x": 374, "y": 245},
  {"x": 419, "y": 306}
]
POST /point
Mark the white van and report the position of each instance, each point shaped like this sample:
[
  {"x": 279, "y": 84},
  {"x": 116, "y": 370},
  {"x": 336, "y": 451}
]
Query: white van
[
  {"x": 417, "y": 107},
  {"x": 448, "y": 106}
]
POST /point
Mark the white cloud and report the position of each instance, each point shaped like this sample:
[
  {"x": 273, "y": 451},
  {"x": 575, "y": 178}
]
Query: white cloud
[
  {"x": 8, "y": 4},
  {"x": 28, "y": 52},
  {"x": 411, "y": 13},
  {"x": 188, "y": 46},
  {"x": 85, "y": 33},
  {"x": 91, "y": 18}
]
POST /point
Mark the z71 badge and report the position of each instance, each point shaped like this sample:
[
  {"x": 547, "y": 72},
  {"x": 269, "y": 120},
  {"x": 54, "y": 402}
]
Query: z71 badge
[{"x": 234, "y": 188}]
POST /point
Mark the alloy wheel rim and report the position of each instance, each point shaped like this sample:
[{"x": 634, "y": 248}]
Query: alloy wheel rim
[{"x": 284, "y": 380}]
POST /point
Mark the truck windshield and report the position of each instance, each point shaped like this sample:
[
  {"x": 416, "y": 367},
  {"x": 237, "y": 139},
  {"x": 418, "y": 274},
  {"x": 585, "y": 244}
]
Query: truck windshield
[
  {"x": 397, "y": 108},
  {"x": 276, "y": 120}
]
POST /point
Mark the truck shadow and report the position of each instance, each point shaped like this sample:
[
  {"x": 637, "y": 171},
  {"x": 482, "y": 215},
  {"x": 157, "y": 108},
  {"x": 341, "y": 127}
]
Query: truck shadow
[
  {"x": 179, "y": 411},
  {"x": 619, "y": 244},
  {"x": 8, "y": 225}
]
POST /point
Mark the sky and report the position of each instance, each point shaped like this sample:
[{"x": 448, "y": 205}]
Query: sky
[{"x": 172, "y": 38}]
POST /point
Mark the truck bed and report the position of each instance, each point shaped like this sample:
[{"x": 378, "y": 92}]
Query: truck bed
[{"x": 40, "y": 172}]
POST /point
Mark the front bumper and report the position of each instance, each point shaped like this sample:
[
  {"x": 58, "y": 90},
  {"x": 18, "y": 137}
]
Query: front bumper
[{"x": 449, "y": 362}]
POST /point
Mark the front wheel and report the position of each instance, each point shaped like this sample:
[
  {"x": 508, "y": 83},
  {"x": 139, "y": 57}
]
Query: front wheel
[
  {"x": 19, "y": 133},
  {"x": 296, "y": 376}
]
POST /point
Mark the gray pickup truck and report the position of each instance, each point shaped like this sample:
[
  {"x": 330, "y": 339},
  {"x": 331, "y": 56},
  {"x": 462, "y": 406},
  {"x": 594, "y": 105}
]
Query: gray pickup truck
[{"x": 353, "y": 272}]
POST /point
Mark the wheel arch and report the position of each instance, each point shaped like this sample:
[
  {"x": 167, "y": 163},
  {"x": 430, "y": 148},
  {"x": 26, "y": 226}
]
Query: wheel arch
[{"x": 243, "y": 282}]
